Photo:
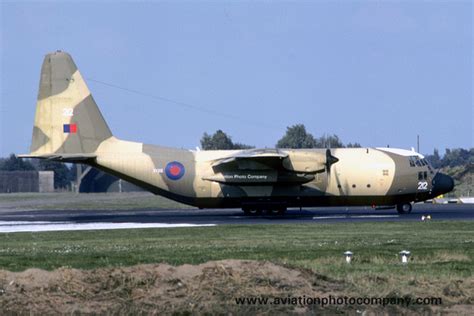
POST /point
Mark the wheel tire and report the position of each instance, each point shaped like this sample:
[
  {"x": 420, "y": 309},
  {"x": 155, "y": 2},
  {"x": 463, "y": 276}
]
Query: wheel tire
[
  {"x": 271, "y": 211},
  {"x": 281, "y": 211},
  {"x": 276, "y": 211},
  {"x": 251, "y": 211},
  {"x": 404, "y": 208}
]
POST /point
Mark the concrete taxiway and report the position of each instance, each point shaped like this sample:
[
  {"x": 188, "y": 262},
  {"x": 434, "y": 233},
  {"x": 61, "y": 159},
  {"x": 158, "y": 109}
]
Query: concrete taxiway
[{"x": 48, "y": 220}]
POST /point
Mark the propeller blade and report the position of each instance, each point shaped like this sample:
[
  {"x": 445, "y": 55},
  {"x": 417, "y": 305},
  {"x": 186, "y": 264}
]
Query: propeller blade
[{"x": 330, "y": 160}]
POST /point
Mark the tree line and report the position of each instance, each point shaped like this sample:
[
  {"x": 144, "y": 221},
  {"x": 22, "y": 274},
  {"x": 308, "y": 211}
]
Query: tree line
[
  {"x": 296, "y": 136},
  {"x": 451, "y": 158}
]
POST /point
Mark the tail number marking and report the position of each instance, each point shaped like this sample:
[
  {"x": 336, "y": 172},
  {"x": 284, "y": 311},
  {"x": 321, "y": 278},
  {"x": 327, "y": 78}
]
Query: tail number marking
[
  {"x": 422, "y": 185},
  {"x": 68, "y": 112}
]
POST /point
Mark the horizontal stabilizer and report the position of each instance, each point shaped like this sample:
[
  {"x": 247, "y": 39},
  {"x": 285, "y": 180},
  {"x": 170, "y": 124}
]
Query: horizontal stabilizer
[{"x": 62, "y": 157}]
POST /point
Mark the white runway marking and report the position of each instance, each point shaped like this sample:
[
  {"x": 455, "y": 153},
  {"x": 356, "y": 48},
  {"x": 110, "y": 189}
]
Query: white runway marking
[
  {"x": 13, "y": 227},
  {"x": 355, "y": 216}
]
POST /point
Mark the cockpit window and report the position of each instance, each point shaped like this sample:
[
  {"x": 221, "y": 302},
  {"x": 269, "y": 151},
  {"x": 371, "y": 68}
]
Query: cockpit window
[{"x": 416, "y": 161}]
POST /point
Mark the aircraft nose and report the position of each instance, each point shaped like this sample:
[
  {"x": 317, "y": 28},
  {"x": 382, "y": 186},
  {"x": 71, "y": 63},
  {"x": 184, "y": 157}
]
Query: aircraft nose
[{"x": 442, "y": 183}]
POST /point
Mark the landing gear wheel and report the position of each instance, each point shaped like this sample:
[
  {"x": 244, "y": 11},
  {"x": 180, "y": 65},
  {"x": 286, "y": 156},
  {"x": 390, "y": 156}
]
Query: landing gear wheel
[
  {"x": 251, "y": 211},
  {"x": 277, "y": 211},
  {"x": 404, "y": 208}
]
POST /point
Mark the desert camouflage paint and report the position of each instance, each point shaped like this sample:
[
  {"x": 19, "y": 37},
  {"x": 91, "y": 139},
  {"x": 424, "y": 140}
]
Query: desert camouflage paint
[{"x": 69, "y": 127}]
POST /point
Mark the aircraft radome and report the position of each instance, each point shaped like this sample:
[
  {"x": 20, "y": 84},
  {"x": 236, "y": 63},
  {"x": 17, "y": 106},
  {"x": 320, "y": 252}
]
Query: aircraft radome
[{"x": 69, "y": 127}]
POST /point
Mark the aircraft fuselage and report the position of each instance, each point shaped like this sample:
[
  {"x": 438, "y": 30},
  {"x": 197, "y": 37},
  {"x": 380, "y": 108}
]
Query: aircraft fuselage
[
  {"x": 362, "y": 176},
  {"x": 69, "y": 127}
]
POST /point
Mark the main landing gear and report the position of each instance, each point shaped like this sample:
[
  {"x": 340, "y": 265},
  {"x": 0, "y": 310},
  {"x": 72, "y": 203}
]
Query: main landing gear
[
  {"x": 404, "y": 208},
  {"x": 259, "y": 211}
]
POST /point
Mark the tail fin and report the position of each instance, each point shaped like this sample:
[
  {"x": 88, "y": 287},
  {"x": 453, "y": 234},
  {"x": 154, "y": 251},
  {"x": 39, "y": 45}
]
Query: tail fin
[{"x": 67, "y": 121}]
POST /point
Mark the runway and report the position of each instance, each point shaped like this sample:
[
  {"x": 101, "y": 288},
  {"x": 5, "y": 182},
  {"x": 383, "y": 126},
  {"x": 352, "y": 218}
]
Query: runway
[{"x": 46, "y": 220}]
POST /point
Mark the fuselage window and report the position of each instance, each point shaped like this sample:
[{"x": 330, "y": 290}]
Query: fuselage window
[
  {"x": 420, "y": 175},
  {"x": 425, "y": 174},
  {"x": 385, "y": 172}
]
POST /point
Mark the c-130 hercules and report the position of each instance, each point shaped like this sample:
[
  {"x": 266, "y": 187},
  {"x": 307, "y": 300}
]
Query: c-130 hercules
[{"x": 70, "y": 128}]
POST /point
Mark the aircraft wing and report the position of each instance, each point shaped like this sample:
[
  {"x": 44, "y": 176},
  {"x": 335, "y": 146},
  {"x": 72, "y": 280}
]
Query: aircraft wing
[
  {"x": 252, "y": 159},
  {"x": 258, "y": 167}
]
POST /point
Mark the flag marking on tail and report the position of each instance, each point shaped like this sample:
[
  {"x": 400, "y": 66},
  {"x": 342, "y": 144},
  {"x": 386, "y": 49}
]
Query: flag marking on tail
[{"x": 70, "y": 128}]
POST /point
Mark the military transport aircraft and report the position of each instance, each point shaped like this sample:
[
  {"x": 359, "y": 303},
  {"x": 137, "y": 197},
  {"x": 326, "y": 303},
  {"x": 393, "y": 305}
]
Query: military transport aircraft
[{"x": 70, "y": 128}]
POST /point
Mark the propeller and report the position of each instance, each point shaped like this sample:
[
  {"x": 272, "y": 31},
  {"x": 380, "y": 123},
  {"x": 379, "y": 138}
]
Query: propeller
[{"x": 330, "y": 160}]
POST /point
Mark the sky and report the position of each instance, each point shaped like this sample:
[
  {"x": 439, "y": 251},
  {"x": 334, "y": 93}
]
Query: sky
[{"x": 374, "y": 72}]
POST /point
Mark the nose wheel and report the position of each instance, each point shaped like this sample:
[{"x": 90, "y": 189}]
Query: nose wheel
[{"x": 404, "y": 208}]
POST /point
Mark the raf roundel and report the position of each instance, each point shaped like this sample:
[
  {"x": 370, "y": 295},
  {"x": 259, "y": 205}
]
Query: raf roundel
[{"x": 174, "y": 170}]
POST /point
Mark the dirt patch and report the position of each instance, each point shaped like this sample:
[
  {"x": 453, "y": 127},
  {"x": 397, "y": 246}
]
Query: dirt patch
[{"x": 209, "y": 288}]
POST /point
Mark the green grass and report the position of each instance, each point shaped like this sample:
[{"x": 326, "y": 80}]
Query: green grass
[
  {"x": 441, "y": 247},
  {"x": 441, "y": 264},
  {"x": 13, "y": 197}
]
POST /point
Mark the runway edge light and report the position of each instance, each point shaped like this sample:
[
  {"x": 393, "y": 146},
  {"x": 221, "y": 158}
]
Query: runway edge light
[
  {"x": 425, "y": 218},
  {"x": 348, "y": 255},
  {"x": 404, "y": 254}
]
